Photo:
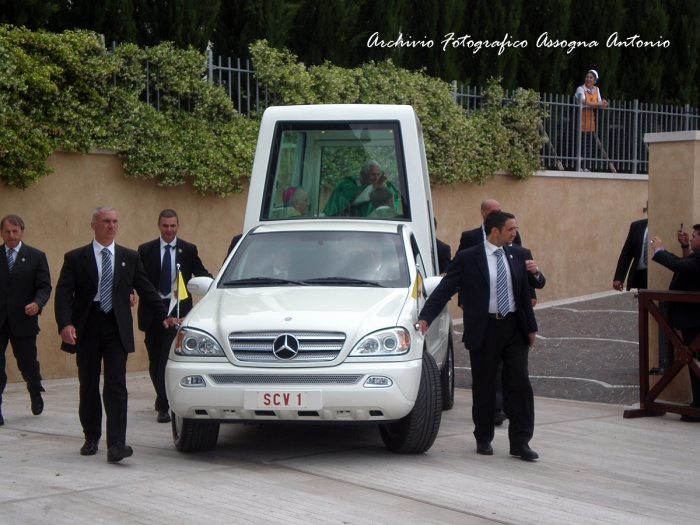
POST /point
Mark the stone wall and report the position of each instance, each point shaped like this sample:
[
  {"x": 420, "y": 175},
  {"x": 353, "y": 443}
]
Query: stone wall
[{"x": 575, "y": 224}]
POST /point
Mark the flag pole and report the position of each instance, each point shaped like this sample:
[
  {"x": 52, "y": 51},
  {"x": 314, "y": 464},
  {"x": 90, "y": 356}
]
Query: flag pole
[{"x": 178, "y": 291}]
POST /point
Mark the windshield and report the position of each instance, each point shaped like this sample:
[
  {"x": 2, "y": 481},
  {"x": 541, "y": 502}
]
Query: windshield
[
  {"x": 314, "y": 258},
  {"x": 330, "y": 169}
]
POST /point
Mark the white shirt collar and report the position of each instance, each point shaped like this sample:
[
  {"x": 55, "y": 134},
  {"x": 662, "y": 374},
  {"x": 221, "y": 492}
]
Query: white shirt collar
[
  {"x": 16, "y": 248},
  {"x": 491, "y": 248},
  {"x": 163, "y": 244},
  {"x": 97, "y": 247}
]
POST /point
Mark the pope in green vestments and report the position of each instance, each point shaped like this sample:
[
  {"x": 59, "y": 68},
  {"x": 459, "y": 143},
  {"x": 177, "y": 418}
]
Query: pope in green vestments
[{"x": 350, "y": 198}]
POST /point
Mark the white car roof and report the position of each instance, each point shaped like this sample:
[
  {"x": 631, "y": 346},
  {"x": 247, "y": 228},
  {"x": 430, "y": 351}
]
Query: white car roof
[{"x": 378, "y": 226}]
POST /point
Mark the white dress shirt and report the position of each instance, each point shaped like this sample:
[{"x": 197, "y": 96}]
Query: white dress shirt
[
  {"x": 492, "y": 260},
  {"x": 173, "y": 272},
  {"x": 97, "y": 248}
]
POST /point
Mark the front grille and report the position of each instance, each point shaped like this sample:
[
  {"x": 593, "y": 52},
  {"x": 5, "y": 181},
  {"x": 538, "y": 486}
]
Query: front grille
[
  {"x": 313, "y": 346},
  {"x": 286, "y": 379}
]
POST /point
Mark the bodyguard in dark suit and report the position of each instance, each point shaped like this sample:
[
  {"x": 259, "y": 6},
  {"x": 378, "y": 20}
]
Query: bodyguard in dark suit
[
  {"x": 160, "y": 258},
  {"x": 25, "y": 287},
  {"x": 633, "y": 252},
  {"x": 94, "y": 319},
  {"x": 684, "y": 316},
  {"x": 499, "y": 323}
]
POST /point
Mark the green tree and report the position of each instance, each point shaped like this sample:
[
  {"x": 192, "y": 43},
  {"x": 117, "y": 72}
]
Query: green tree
[
  {"x": 640, "y": 73},
  {"x": 32, "y": 14},
  {"x": 681, "y": 73},
  {"x": 241, "y": 22},
  {"x": 184, "y": 22},
  {"x": 112, "y": 18},
  {"x": 544, "y": 68},
  {"x": 328, "y": 31}
]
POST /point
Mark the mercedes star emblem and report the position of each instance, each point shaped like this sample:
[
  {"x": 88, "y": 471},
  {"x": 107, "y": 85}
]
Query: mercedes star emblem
[{"x": 286, "y": 346}]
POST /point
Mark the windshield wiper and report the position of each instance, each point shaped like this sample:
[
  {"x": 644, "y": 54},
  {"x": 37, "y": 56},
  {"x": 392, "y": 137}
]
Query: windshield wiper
[
  {"x": 261, "y": 281},
  {"x": 341, "y": 280}
]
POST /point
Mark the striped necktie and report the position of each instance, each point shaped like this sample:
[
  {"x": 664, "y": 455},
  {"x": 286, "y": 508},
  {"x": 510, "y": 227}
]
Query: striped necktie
[
  {"x": 501, "y": 284},
  {"x": 106, "y": 281},
  {"x": 10, "y": 258},
  {"x": 645, "y": 249}
]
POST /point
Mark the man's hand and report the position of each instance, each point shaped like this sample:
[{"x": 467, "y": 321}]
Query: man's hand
[
  {"x": 68, "y": 334},
  {"x": 132, "y": 300},
  {"x": 172, "y": 321},
  {"x": 423, "y": 326},
  {"x": 532, "y": 267},
  {"x": 656, "y": 243},
  {"x": 380, "y": 181},
  {"x": 31, "y": 309},
  {"x": 532, "y": 339},
  {"x": 534, "y": 302},
  {"x": 617, "y": 285}
]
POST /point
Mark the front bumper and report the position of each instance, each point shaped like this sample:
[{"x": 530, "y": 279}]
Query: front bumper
[{"x": 332, "y": 394}]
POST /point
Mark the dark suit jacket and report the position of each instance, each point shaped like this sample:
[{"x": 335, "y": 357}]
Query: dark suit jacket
[
  {"x": 686, "y": 278},
  {"x": 444, "y": 255},
  {"x": 186, "y": 256},
  {"x": 29, "y": 282},
  {"x": 234, "y": 242},
  {"x": 77, "y": 287},
  {"x": 469, "y": 270},
  {"x": 536, "y": 281},
  {"x": 471, "y": 238},
  {"x": 631, "y": 252}
]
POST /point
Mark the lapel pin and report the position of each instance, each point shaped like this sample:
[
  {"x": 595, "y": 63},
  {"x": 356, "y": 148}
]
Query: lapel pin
[
  {"x": 123, "y": 264},
  {"x": 511, "y": 256},
  {"x": 179, "y": 250},
  {"x": 22, "y": 259}
]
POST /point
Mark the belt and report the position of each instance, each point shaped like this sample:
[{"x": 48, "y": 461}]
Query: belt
[{"x": 499, "y": 316}]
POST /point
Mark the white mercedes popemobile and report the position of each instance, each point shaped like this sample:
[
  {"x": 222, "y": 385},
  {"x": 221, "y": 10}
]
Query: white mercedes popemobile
[{"x": 311, "y": 318}]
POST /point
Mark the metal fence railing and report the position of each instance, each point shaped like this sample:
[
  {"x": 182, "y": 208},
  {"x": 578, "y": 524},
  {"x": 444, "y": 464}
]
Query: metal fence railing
[{"x": 617, "y": 144}]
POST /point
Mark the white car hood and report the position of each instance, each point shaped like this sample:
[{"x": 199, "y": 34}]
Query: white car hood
[{"x": 355, "y": 311}]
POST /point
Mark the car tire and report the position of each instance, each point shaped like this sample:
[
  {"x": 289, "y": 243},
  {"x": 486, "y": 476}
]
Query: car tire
[
  {"x": 193, "y": 435},
  {"x": 447, "y": 377},
  {"x": 416, "y": 432}
]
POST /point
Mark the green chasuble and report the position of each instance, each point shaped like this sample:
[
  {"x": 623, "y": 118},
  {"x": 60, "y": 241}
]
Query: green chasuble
[{"x": 348, "y": 189}]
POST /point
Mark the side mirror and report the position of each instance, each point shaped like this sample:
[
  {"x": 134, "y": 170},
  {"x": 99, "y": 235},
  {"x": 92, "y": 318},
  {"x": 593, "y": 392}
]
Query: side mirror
[
  {"x": 199, "y": 285},
  {"x": 430, "y": 284}
]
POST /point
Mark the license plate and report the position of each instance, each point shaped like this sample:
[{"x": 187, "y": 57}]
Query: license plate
[
  {"x": 272, "y": 400},
  {"x": 282, "y": 399}
]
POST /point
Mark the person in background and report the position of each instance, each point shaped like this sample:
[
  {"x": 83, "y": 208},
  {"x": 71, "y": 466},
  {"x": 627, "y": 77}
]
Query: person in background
[
  {"x": 25, "y": 288},
  {"x": 588, "y": 95}
]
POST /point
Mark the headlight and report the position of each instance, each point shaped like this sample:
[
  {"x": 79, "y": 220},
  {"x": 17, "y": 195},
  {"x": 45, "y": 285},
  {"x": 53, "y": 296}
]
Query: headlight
[
  {"x": 195, "y": 343},
  {"x": 391, "y": 341}
]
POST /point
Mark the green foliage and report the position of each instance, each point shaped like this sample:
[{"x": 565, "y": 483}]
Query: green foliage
[
  {"x": 59, "y": 92},
  {"x": 65, "y": 91},
  {"x": 497, "y": 137}
]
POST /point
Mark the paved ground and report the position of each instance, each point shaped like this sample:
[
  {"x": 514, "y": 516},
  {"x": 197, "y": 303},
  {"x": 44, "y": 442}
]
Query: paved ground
[
  {"x": 595, "y": 466},
  {"x": 585, "y": 351}
]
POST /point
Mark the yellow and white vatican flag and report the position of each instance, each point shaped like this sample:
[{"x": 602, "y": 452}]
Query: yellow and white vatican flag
[{"x": 418, "y": 294}]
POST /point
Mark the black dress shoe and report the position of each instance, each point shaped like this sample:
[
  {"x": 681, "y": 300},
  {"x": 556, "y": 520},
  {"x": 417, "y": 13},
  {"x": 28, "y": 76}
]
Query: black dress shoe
[
  {"x": 2, "y": 421},
  {"x": 89, "y": 448},
  {"x": 690, "y": 419},
  {"x": 163, "y": 416},
  {"x": 484, "y": 449},
  {"x": 524, "y": 452},
  {"x": 499, "y": 417},
  {"x": 118, "y": 451},
  {"x": 37, "y": 404}
]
